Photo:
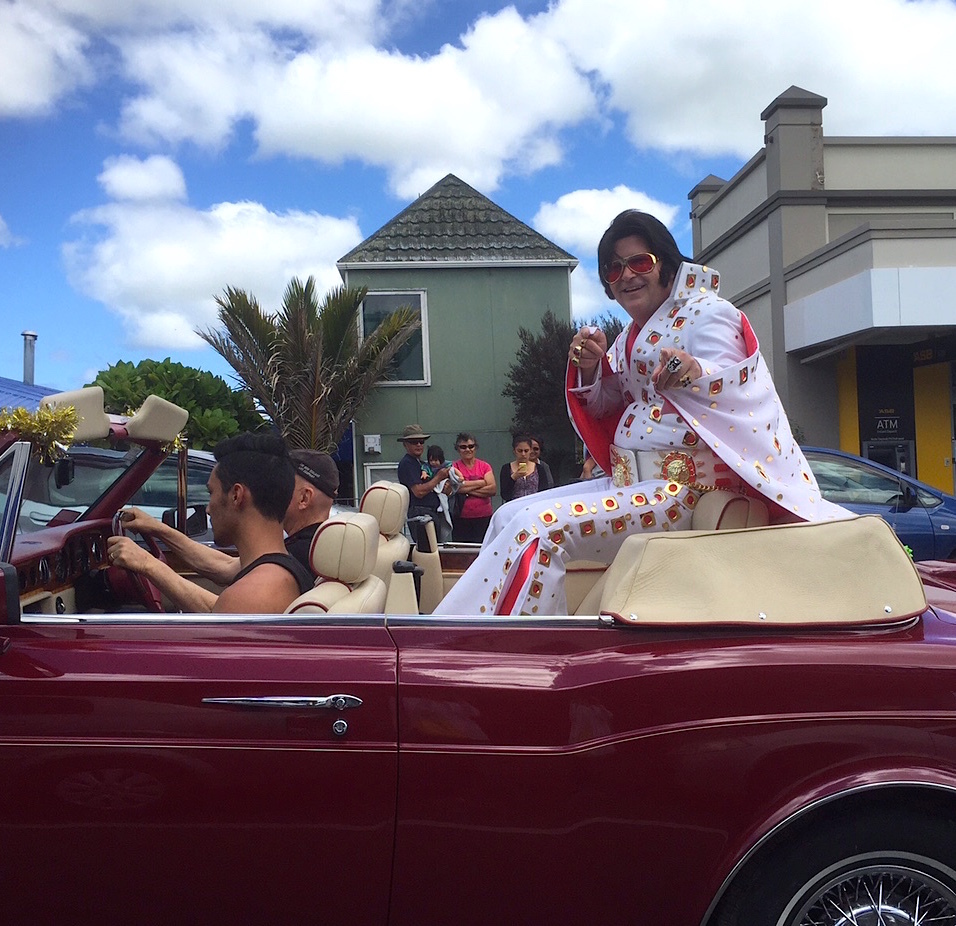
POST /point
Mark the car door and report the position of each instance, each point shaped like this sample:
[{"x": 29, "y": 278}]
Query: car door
[
  {"x": 182, "y": 770},
  {"x": 564, "y": 771},
  {"x": 941, "y": 510},
  {"x": 535, "y": 784}
]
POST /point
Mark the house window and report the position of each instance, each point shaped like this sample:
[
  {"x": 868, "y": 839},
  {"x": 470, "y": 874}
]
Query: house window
[{"x": 411, "y": 362}]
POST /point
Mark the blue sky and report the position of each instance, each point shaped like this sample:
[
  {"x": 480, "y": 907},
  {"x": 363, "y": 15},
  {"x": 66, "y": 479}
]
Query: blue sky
[{"x": 154, "y": 152}]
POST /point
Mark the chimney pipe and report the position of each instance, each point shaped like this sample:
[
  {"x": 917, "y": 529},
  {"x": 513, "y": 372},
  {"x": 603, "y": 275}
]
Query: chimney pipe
[{"x": 29, "y": 354}]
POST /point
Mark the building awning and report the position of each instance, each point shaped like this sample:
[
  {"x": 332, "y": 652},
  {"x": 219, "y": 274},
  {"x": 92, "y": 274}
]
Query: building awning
[{"x": 902, "y": 303}]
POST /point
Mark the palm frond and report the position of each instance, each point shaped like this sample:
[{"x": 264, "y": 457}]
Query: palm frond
[{"x": 307, "y": 366}]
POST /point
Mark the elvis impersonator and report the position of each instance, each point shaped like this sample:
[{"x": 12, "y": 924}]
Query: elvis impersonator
[{"x": 681, "y": 404}]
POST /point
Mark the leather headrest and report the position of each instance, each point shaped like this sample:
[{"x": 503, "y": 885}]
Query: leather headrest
[
  {"x": 345, "y": 548},
  {"x": 387, "y": 502}
]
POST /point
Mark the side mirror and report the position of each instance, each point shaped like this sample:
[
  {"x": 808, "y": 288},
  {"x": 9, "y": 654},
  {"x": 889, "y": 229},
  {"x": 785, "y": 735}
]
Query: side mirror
[
  {"x": 64, "y": 471},
  {"x": 197, "y": 522},
  {"x": 910, "y": 498}
]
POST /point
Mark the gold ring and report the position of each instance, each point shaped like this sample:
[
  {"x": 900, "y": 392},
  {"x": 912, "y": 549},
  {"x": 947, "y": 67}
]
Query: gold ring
[
  {"x": 576, "y": 361},
  {"x": 576, "y": 350},
  {"x": 685, "y": 381}
]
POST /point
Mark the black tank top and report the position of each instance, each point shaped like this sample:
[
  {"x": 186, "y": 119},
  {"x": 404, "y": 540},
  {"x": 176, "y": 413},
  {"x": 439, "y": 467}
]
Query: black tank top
[{"x": 302, "y": 575}]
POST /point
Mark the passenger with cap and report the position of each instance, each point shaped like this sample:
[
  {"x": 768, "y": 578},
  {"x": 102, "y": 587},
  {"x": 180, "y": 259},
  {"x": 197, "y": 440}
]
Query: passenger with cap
[{"x": 316, "y": 485}]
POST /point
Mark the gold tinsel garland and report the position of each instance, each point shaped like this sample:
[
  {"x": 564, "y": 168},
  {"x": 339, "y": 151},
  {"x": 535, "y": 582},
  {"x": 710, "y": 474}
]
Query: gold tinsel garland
[{"x": 44, "y": 428}]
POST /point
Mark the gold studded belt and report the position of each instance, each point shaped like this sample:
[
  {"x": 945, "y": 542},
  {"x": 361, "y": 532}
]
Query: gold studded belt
[{"x": 685, "y": 467}]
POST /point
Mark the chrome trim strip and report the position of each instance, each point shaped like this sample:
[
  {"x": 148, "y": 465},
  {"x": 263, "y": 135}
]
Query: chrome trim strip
[
  {"x": 20, "y": 452},
  {"x": 490, "y": 620},
  {"x": 178, "y": 619},
  {"x": 336, "y": 702}
]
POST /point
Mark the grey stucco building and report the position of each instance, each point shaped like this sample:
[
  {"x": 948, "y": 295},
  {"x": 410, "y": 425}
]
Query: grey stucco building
[{"x": 839, "y": 249}]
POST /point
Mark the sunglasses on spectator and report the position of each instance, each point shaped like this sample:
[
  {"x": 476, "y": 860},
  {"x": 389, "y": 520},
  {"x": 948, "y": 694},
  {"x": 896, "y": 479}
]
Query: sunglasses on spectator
[
  {"x": 636, "y": 263},
  {"x": 467, "y": 446},
  {"x": 415, "y": 441}
]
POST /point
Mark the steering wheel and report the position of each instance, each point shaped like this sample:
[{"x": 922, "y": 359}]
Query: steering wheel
[{"x": 129, "y": 585}]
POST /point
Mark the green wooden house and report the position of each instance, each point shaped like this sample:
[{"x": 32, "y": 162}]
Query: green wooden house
[{"x": 477, "y": 274}]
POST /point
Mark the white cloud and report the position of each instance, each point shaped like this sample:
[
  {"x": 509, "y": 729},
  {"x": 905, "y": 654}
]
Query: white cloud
[
  {"x": 158, "y": 265},
  {"x": 131, "y": 178},
  {"x": 476, "y": 109},
  {"x": 689, "y": 80},
  {"x": 7, "y": 238},
  {"x": 341, "y": 20},
  {"x": 588, "y": 299},
  {"x": 42, "y": 58},
  {"x": 578, "y": 219},
  {"x": 320, "y": 79}
]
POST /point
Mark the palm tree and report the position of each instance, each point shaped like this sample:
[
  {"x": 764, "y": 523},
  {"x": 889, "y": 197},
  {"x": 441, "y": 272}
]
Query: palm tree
[{"x": 306, "y": 365}]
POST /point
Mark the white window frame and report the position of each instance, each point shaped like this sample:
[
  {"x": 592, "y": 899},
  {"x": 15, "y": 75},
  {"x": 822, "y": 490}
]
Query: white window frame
[
  {"x": 426, "y": 361},
  {"x": 373, "y": 472}
]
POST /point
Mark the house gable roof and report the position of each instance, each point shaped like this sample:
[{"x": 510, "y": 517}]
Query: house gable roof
[{"x": 453, "y": 222}]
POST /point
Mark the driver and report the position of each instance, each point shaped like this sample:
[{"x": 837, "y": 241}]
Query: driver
[
  {"x": 252, "y": 489},
  {"x": 316, "y": 485}
]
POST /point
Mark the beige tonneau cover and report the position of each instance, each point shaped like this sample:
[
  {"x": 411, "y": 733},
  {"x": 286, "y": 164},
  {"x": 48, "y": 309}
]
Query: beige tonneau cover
[{"x": 837, "y": 573}]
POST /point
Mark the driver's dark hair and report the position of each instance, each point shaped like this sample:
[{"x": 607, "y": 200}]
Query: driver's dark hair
[
  {"x": 660, "y": 242},
  {"x": 261, "y": 462}
]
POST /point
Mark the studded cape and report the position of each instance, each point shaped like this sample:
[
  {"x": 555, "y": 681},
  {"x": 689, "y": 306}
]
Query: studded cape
[{"x": 733, "y": 407}]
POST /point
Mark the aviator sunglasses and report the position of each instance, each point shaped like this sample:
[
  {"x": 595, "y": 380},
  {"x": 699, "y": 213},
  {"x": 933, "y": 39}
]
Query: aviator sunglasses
[{"x": 636, "y": 263}]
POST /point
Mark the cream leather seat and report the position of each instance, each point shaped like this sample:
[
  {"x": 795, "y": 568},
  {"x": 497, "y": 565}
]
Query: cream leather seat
[
  {"x": 426, "y": 556},
  {"x": 343, "y": 554},
  {"x": 722, "y": 510},
  {"x": 387, "y": 502},
  {"x": 715, "y": 511}
]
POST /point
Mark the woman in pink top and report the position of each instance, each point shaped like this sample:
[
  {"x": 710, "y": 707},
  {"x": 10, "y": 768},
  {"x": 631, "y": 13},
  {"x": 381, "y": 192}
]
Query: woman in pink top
[{"x": 473, "y": 509}]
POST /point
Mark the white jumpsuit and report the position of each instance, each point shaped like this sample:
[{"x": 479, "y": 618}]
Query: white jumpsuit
[{"x": 727, "y": 429}]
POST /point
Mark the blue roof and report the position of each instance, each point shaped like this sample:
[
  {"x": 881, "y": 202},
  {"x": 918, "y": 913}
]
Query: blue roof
[{"x": 17, "y": 394}]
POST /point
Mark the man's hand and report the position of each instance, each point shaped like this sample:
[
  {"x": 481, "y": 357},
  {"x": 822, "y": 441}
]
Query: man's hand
[
  {"x": 127, "y": 554},
  {"x": 134, "y": 519},
  {"x": 587, "y": 349}
]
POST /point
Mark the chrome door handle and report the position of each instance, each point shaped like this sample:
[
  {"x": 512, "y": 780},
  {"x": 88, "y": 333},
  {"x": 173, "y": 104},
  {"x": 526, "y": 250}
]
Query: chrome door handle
[{"x": 336, "y": 702}]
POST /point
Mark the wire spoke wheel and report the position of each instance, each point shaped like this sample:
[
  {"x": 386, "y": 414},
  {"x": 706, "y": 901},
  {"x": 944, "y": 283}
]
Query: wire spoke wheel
[{"x": 868, "y": 893}]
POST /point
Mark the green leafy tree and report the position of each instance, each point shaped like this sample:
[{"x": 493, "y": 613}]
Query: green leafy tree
[
  {"x": 306, "y": 364},
  {"x": 216, "y": 411},
  {"x": 536, "y": 386}
]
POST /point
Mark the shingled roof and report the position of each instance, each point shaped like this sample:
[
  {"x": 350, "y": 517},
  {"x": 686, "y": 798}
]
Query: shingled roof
[{"x": 454, "y": 222}]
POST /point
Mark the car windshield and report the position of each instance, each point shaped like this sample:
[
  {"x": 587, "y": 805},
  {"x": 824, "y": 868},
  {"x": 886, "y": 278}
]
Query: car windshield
[
  {"x": 95, "y": 470},
  {"x": 850, "y": 482}
]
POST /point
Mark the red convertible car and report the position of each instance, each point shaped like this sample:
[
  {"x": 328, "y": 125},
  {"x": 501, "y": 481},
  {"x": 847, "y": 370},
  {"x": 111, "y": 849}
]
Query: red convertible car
[{"x": 752, "y": 727}]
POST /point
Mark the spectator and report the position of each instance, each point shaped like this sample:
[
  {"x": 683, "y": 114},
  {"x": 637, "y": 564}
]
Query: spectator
[
  {"x": 591, "y": 469},
  {"x": 436, "y": 461},
  {"x": 415, "y": 474},
  {"x": 522, "y": 476},
  {"x": 475, "y": 493},
  {"x": 545, "y": 479}
]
